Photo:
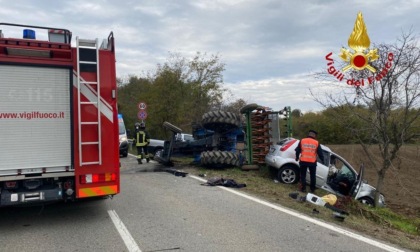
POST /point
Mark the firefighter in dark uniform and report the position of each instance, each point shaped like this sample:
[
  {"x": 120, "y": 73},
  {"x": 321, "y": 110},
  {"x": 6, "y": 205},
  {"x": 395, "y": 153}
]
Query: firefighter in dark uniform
[
  {"x": 142, "y": 140},
  {"x": 306, "y": 152}
]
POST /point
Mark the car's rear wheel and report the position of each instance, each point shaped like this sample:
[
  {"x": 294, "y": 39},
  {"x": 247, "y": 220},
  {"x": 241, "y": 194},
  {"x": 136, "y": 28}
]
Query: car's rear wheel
[
  {"x": 367, "y": 200},
  {"x": 288, "y": 175}
]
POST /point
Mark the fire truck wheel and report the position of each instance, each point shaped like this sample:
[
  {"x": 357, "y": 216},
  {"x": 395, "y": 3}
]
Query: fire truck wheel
[
  {"x": 220, "y": 121},
  {"x": 219, "y": 159}
]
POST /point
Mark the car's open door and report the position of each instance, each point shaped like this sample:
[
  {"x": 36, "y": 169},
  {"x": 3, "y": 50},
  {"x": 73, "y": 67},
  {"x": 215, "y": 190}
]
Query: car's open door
[{"x": 358, "y": 183}]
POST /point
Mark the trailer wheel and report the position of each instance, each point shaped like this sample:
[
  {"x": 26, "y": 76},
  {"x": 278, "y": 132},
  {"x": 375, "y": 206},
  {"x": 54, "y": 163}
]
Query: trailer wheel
[
  {"x": 220, "y": 121},
  {"x": 172, "y": 127},
  {"x": 219, "y": 159}
]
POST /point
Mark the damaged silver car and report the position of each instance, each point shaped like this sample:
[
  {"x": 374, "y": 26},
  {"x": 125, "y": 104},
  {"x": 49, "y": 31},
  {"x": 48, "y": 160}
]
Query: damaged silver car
[{"x": 335, "y": 175}]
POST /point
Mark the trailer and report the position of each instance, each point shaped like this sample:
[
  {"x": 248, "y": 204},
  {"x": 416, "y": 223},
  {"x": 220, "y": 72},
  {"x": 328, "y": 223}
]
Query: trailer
[{"x": 58, "y": 116}]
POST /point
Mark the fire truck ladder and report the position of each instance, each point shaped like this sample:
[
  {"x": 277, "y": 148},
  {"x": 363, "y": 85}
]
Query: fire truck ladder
[{"x": 88, "y": 57}]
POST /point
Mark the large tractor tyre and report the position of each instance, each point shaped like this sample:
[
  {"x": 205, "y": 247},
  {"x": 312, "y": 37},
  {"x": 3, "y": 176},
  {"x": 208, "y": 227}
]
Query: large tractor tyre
[
  {"x": 172, "y": 127},
  {"x": 219, "y": 159},
  {"x": 220, "y": 121}
]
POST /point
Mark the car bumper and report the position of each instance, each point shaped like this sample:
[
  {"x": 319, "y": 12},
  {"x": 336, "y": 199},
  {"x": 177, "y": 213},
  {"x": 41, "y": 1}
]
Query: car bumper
[
  {"x": 277, "y": 162},
  {"x": 271, "y": 161}
]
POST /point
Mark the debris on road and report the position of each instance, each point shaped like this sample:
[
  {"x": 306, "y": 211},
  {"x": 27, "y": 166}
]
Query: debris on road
[
  {"x": 218, "y": 181},
  {"x": 176, "y": 172},
  {"x": 326, "y": 201}
]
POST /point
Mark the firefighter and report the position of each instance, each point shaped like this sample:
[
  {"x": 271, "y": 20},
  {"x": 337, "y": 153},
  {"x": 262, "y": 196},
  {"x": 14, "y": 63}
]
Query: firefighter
[
  {"x": 306, "y": 152},
  {"x": 142, "y": 140}
]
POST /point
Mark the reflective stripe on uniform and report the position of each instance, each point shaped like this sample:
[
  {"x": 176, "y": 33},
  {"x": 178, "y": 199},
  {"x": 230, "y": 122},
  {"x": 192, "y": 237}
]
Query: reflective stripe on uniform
[
  {"x": 141, "y": 138},
  {"x": 309, "y": 148}
]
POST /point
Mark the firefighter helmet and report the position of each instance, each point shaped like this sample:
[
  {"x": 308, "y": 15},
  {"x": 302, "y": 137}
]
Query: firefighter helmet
[{"x": 142, "y": 125}]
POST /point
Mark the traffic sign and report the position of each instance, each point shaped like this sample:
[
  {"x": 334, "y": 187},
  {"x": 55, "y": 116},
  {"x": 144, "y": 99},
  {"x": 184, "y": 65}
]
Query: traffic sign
[
  {"x": 142, "y": 105},
  {"x": 142, "y": 115}
]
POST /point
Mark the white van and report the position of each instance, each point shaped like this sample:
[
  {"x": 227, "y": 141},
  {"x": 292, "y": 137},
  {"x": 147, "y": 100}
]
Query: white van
[{"x": 123, "y": 136}]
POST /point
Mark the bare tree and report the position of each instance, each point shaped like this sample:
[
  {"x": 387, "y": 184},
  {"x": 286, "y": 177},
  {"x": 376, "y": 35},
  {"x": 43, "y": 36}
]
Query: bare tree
[{"x": 382, "y": 103}]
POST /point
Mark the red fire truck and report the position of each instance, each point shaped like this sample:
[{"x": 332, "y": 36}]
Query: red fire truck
[{"x": 58, "y": 116}]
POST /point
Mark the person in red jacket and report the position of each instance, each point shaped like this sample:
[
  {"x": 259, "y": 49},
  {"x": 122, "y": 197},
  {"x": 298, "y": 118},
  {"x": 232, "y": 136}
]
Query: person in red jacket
[{"x": 306, "y": 153}]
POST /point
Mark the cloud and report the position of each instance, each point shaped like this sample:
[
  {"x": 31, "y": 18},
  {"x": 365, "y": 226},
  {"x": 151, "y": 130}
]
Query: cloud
[
  {"x": 275, "y": 93},
  {"x": 269, "y": 46}
]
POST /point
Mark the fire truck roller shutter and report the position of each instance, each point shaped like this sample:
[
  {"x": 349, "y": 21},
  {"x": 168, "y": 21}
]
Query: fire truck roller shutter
[{"x": 34, "y": 118}]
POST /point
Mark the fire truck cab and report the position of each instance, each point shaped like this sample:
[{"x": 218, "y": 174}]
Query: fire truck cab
[{"x": 58, "y": 116}]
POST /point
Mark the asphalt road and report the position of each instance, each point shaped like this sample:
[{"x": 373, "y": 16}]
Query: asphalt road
[{"x": 158, "y": 211}]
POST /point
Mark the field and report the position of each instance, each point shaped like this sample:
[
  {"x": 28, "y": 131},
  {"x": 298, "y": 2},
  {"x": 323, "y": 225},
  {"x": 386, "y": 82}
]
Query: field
[{"x": 401, "y": 185}]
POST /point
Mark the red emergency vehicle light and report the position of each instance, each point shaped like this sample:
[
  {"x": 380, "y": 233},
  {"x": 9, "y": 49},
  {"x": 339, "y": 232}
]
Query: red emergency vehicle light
[{"x": 97, "y": 178}]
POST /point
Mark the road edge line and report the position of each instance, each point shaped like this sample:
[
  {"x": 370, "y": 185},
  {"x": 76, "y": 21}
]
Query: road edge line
[{"x": 304, "y": 217}]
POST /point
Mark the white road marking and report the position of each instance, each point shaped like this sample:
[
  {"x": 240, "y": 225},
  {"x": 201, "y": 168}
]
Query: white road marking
[
  {"x": 129, "y": 241},
  {"x": 314, "y": 221}
]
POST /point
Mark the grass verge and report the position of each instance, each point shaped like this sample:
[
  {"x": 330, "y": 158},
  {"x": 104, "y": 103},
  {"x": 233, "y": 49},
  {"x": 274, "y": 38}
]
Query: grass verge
[{"x": 380, "y": 223}]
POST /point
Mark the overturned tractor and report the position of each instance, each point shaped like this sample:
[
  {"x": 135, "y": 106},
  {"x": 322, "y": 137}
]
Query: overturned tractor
[
  {"x": 226, "y": 129},
  {"x": 215, "y": 141}
]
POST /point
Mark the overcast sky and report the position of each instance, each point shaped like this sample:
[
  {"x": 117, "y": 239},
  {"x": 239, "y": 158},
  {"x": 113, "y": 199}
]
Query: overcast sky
[{"x": 270, "y": 48}]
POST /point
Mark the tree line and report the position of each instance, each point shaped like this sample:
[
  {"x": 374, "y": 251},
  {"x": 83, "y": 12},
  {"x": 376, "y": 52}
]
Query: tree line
[{"x": 179, "y": 91}]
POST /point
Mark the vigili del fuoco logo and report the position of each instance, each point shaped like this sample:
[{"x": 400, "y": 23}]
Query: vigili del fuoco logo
[{"x": 359, "y": 58}]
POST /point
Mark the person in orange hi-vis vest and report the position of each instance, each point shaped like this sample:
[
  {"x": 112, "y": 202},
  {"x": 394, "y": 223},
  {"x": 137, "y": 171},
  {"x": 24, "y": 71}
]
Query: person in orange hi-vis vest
[{"x": 306, "y": 152}]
